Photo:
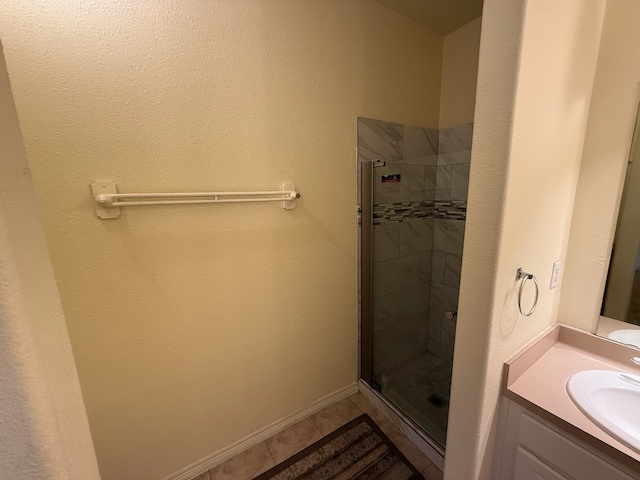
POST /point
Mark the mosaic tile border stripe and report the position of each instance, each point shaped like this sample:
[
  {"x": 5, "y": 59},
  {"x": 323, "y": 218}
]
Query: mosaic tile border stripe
[
  {"x": 453, "y": 209},
  {"x": 399, "y": 212}
]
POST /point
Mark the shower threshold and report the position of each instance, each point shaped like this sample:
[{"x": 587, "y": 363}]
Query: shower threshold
[{"x": 408, "y": 427}]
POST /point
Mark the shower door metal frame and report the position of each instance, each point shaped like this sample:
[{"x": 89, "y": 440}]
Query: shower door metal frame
[{"x": 365, "y": 211}]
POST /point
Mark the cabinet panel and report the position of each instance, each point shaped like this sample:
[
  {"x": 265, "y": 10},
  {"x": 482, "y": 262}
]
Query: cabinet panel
[
  {"x": 521, "y": 431},
  {"x": 529, "y": 467},
  {"x": 563, "y": 453}
]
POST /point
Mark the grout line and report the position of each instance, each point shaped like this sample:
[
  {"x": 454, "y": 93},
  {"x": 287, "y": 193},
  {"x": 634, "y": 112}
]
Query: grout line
[
  {"x": 273, "y": 459},
  {"x": 316, "y": 423},
  {"x": 316, "y": 427},
  {"x": 361, "y": 411}
]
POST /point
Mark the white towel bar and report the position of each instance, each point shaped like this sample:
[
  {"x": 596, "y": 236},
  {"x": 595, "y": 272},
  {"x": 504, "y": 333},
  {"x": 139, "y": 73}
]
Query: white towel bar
[{"x": 108, "y": 201}]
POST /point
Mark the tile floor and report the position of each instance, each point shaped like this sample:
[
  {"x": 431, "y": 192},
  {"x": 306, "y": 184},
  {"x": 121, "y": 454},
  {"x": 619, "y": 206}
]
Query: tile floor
[
  {"x": 420, "y": 387},
  {"x": 261, "y": 457}
]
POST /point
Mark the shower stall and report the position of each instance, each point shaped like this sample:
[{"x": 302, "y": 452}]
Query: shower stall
[{"x": 412, "y": 198}]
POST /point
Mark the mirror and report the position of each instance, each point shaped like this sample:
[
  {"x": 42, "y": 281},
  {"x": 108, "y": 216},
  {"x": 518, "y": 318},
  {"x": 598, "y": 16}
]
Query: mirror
[{"x": 621, "y": 300}]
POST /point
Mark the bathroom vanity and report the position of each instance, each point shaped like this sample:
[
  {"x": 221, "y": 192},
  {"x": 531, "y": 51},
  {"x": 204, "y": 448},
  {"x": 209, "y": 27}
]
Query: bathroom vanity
[{"x": 542, "y": 434}]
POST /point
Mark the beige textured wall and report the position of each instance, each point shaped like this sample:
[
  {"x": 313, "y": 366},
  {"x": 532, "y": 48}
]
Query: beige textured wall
[
  {"x": 193, "y": 327},
  {"x": 614, "y": 104},
  {"x": 44, "y": 432},
  {"x": 537, "y": 64},
  {"x": 459, "y": 75}
]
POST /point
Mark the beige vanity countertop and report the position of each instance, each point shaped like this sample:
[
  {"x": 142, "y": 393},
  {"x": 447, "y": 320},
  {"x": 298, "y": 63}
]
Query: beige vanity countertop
[{"x": 536, "y": 378}]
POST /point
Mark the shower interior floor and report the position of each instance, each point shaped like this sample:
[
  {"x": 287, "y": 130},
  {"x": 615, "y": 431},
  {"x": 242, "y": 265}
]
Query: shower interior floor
[{"x": 420, "y": 388}]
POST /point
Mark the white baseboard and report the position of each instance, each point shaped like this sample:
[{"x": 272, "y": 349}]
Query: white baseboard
[
  {"x": 216, "y": 458},
  {"x": 427, "y": 446}
]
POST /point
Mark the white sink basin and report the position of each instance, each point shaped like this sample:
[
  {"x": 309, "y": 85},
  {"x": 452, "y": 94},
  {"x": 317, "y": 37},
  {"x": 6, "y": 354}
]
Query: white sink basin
[
  {"x": 626, "y": 336},
  {"x": 611, "y": 400}
]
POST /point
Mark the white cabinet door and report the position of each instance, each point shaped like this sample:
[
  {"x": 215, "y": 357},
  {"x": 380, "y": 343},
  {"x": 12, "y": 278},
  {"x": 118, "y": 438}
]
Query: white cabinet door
[
  {"x": 545, "y": 452},
  {"x": 529, "y": 467}
]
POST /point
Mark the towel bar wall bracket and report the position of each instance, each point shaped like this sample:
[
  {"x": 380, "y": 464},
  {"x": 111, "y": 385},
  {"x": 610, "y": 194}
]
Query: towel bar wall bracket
[{"x": 109, "y": 201}]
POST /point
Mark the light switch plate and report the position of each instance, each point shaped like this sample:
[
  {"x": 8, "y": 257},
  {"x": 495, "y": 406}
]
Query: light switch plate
[{"x": 556, "y": 272}]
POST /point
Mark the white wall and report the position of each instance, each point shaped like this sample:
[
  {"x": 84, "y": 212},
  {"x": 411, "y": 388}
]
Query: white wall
[
  {"x": 614, "y": 105},
  {"x": 193, "y": 327},
  {"x": 459, "y": 75},
  {"x": 536, "y": 70},
  {"x": 44, "y": 433}
]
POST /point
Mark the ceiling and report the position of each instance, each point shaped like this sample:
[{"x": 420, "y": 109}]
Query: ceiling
[{"x": 442, "y": 16}]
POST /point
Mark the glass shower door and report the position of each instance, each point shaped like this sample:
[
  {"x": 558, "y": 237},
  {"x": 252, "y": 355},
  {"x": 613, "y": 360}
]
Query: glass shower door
[{"x": 413, "y": 199}]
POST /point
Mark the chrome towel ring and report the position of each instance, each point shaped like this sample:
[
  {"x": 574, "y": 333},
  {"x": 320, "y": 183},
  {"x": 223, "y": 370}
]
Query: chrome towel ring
[{"x": 526, "y": 276}]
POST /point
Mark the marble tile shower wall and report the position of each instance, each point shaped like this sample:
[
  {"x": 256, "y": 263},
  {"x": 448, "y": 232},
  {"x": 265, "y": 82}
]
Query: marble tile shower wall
[
  {"x": 419, "y": 210},
  {"x": 452, "y": 185}
]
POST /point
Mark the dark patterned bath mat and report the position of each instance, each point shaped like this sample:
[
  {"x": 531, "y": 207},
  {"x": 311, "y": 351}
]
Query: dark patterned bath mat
[{"x": 358, "y": 450}]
